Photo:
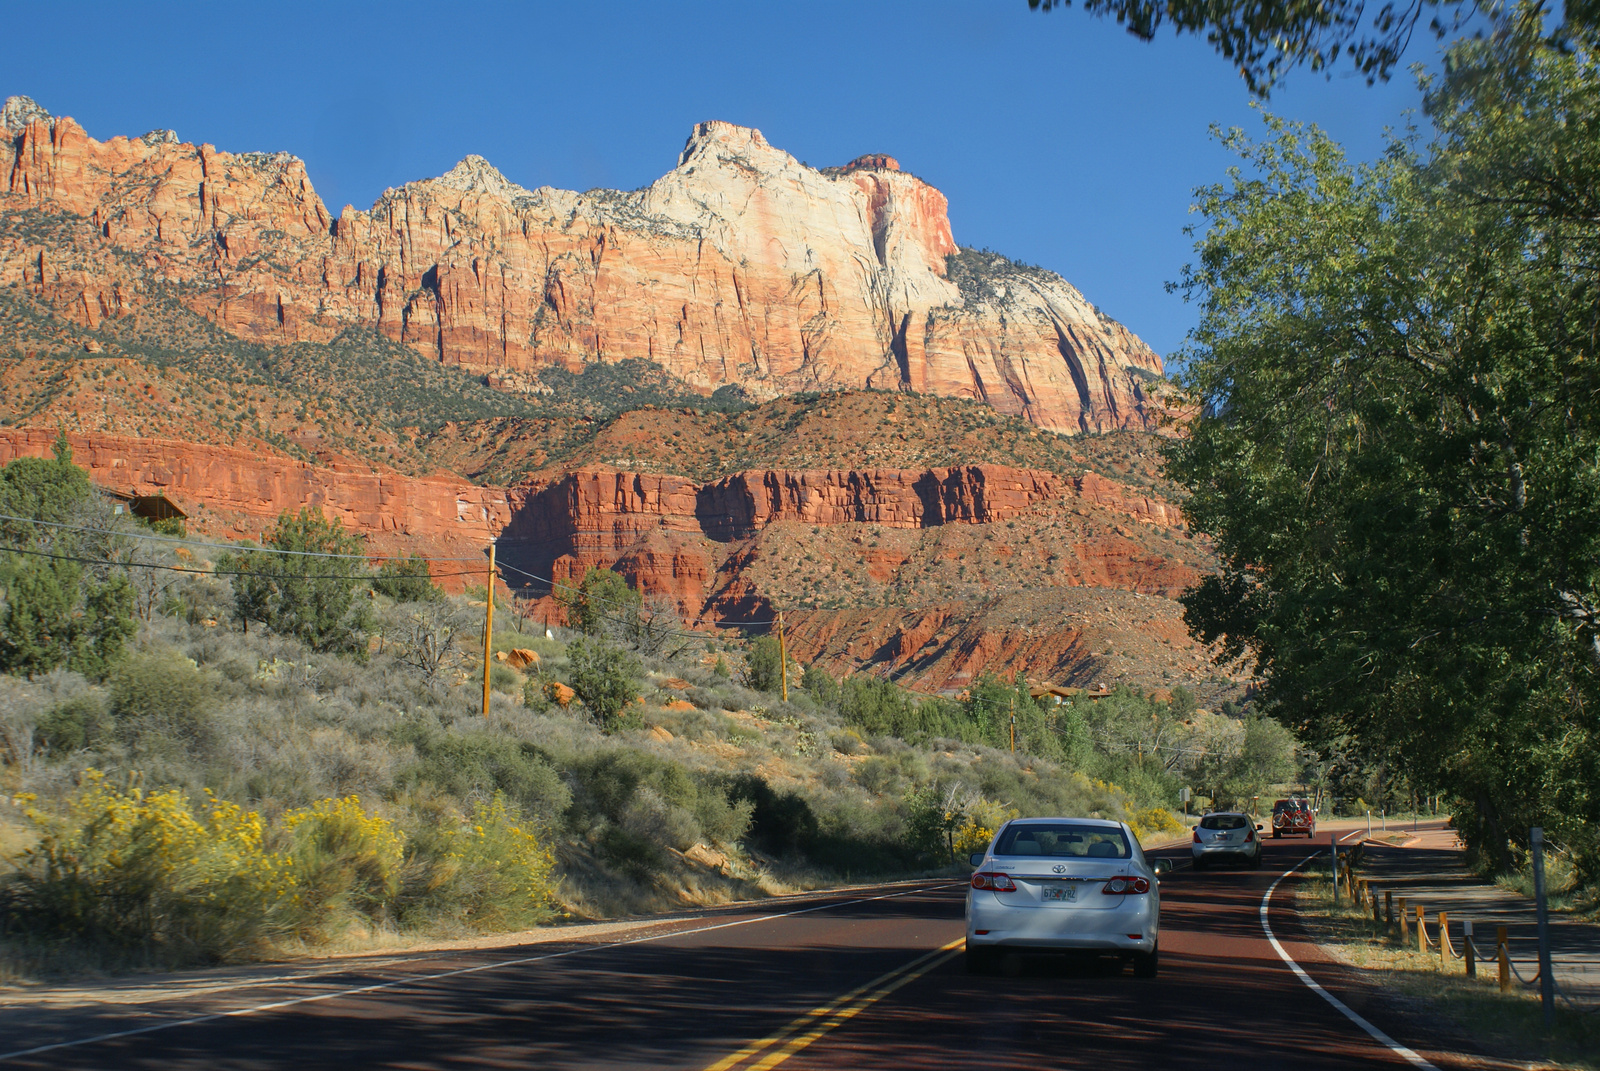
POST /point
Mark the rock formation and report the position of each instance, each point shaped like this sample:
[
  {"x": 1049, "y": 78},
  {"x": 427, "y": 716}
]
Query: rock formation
[{"x": 739, "y": 266}]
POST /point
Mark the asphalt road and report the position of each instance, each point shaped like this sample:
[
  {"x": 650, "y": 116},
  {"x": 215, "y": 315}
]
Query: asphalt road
[{"x": 864, "y": 979}]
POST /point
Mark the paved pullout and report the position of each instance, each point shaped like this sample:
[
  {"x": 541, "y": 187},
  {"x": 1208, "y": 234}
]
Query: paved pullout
[{"x": 853, "y": 979}]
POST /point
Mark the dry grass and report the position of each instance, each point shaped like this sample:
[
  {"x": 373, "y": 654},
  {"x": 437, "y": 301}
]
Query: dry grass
[{"x": 1508, "y": 1024}]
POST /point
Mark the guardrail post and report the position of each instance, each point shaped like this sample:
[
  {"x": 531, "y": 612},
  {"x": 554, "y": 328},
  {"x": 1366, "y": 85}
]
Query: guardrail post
[
  {"x": 1333, "y": 851},
  {"x": 1504, "y": 957},
  {"x": 1469, "y": 953},
  {"x": 1405, "y": 922},
  {"x": 1388, "y": 906},
  {"x": 1446, "y": 953},
  {"x": 1422, "y": 929}
]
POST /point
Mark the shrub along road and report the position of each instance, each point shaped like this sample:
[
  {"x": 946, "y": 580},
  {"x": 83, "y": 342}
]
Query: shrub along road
[{"x": 863, "y": 978}]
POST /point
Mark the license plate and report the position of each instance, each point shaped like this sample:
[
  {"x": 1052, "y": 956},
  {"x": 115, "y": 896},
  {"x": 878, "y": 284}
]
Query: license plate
[{"x": 1059, "y": 893}]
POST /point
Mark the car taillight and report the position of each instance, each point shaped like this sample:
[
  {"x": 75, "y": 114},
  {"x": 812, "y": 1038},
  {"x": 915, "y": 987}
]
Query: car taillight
[
  {"x": 988, "y": 879},
  {"x": 1123, "y": 884},
  {"x": 1249, "y": 835},
  {"x": 1197, "y": 836}
]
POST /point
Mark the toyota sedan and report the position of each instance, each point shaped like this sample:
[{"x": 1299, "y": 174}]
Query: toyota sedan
[{"x": 1064, "y": 885}]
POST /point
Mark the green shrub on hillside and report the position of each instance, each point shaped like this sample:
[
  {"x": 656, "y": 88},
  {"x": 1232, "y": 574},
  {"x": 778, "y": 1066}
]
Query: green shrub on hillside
[
  {"x": 406, "y": 580},
  {"x": 57, "y": 606},
  {"x": 305, "y": 593},
  {"x": 603, "y": 677},
  {"x": 763, "y": 666}
]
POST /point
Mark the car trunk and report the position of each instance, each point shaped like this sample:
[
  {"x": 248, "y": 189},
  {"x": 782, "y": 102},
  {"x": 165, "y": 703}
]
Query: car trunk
[{"x": 1075, "y": 884}]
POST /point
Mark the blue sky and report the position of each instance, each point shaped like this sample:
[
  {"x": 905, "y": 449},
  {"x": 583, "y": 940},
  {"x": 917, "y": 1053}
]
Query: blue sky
[{"x": 1059, "y": 139}]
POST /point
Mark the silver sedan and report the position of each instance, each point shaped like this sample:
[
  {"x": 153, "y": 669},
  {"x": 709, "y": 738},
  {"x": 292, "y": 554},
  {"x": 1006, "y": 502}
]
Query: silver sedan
[{"x": 1062, "y": 885}]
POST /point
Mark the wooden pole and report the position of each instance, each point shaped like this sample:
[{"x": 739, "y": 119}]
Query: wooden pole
[
  {"x": 1013, "y": 725},
  {"x": 783, "y": 658},
  {"x": 488, "y": 631},
  {"x": 1470, "y": 953},
  {"x": 1503, "y": 958}
]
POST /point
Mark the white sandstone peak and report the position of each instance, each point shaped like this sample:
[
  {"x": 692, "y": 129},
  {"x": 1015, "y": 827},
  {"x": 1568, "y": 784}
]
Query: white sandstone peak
[
  {"x": 19, "y": 111},
  {"x": 474, "y": 174}
]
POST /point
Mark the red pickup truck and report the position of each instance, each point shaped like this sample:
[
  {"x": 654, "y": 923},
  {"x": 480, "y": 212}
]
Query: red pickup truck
[{"x": 1293, "y": 816}]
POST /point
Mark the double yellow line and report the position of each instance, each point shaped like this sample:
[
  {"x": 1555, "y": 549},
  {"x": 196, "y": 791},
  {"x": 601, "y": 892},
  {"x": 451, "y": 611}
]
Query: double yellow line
[{"x": 818, "y": 1021}]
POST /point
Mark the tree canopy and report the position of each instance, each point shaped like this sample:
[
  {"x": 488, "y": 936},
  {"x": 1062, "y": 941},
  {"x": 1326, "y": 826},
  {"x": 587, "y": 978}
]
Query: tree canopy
[
  {"x": 1399, "y": 452},
  {"x": 1265, "y": 41}
]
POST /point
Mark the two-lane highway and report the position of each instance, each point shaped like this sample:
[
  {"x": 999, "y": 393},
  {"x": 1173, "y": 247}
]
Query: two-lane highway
[{"x": 867, "y": 978}]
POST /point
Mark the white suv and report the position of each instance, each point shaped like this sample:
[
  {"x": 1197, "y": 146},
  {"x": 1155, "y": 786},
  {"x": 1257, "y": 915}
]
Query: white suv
[{"x": 1223, "y": 836}]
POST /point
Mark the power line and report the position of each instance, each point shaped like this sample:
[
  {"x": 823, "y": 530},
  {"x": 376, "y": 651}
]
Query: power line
[
  {"x": 217, "y": 546},
  {"x": 205, "y": 572}
]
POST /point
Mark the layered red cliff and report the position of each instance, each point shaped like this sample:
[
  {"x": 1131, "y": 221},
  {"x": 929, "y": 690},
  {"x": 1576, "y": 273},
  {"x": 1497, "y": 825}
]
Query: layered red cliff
[{"x": 741, "y": 265}]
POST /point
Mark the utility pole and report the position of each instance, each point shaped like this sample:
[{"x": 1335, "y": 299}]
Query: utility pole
[
  {"x": 783, "y": 658},
  {"x": 1013, "y": 725},
  {"x": 1547, "y": 994},
  {"x": 488, "y": 630}
]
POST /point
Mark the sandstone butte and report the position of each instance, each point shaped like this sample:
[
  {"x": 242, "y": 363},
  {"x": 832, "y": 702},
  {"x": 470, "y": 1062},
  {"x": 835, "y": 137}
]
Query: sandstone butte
[{"x": 741, "y": 266}]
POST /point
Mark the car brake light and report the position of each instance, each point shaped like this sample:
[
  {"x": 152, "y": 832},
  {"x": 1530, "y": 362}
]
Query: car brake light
[
  {"x": 1197, "y": 836},
  {"x": 1123, "y": 884},
  {"x": 1249, "y": 835},
  {"x": 988, "y": 879}
]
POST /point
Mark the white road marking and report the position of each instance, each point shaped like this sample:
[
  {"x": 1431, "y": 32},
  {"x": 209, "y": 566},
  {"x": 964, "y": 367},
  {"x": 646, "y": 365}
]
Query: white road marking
[
  {"x": 420, "y": 979},
  {"x": 1377, "y": 1035}
]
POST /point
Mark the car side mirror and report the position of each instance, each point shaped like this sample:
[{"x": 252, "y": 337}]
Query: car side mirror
[
  {"x": 1162, "y": 866},
  {"x": 976, "y": 858},
  {"x": 1258, "y": 827}
]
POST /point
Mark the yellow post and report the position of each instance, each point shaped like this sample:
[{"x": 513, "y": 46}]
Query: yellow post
[
  {"x": 488, "y": 631},
  {"x": 1446, "y": 953},
  {"x": 783, "y": 658},
  {"x": 1405, "y": 922},
  {"x": 1422, "y": 929}
]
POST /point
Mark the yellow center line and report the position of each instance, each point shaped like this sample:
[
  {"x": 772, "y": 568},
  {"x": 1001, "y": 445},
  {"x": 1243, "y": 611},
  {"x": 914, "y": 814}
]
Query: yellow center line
[{"x": 828, "y": 1016}]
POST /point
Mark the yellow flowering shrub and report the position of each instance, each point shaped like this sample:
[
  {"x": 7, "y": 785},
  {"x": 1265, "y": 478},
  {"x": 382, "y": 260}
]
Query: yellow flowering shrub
[
  {"x": 504, "y": 876},
  {"x": 159, "y": 878},
  {"x": 149, "y": 872},
  {"x": 346, "y": 860},
  {"x": 979, "y": 825},
  {"x": 1155, "y": 821}
]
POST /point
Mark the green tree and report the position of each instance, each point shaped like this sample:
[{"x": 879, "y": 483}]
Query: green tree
[
  {"x": 57, "y": 607},
  {"x": 823, "y": 688},
  {"x": 601, "y": 603},
  {"x": 1397, "y": 455},
  {"x": 307, "y": 594},
  {"x": 406, "y": 580},
  {"x": 603, "y": 676},
  {"x": 763, "y": 666}
]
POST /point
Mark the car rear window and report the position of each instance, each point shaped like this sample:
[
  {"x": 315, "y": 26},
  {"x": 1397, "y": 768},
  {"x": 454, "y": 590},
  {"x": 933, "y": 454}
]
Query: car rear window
[
  {"x": 1224, "y": 821},
  {"x": 1064, "y": 839}
]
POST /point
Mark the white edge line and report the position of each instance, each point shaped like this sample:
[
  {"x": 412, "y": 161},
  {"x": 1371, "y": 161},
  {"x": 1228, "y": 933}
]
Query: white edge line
[
  {"x": 423, "y": 978},
  {"x": 1377, "y": 1035}
]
